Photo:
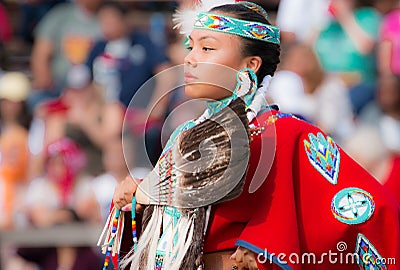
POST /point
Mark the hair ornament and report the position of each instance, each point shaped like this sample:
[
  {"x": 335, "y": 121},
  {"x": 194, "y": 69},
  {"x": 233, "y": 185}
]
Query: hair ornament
[
  {"x": 201, "y": 18},
  {"x": 186, "y": 18},
  {"x": 253, "y": 6}
]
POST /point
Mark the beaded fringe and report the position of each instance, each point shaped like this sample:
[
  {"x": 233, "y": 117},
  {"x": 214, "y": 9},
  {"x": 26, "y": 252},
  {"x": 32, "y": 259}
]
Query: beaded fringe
[
  {"x": 112, "y": 235},
  {"x": 145, "y": 257}
]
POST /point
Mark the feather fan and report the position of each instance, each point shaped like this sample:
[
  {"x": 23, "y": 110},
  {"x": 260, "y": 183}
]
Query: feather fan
[{"x": 208, "y": 162}]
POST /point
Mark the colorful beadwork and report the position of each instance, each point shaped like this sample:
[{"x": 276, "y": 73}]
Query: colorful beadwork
[
  {"x": 368, "y": 256},
  {"x": 133, "y": 215},
  {"x": 259, "y": 128},
  {"x": 324, "y": 156},
  {"x": 352, "y": 206},
  {"x": 116, "y": 223},
  {"x": 246, "y": 85},
  {"x": 254, "y": 7},
  {"x": 112, "y": 238},
  {"x": 273, "y": 118},
  {"x": 229, "y": 25}
]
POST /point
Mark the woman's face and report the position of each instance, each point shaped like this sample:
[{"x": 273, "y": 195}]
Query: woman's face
[{"x": 211, "y": 64}]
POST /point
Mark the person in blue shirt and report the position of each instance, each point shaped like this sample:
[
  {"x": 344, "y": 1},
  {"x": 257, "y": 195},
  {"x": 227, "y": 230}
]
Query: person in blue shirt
[{"x": 123, "y": 60}]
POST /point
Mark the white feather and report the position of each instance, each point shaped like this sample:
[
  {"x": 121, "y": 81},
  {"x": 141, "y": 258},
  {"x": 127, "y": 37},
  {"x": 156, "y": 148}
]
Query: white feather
[{"x": 184, "y": 19}]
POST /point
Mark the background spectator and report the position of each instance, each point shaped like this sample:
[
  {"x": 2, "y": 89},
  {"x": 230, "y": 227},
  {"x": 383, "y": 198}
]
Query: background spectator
[
  {"x": 5, "y": 35},
  {"x": 69, "y": 198},
  {"x": 122, "y": 53},
  {"x": 116, "y": 58},
  {"x": 297, "y": 27},
  {"x": 384, "y": 113},
  {"x": 32, "y": 11},
  {"x": 5, "y": 26},
  {"x": 389, "y": 43},
  {"x": 62, "y": 39},
  {"x": 346, "y": 46},
  {"x": 367, "y": 147},
  {"x": 82, "y": 115},
  {"x": 14, "y": 120},
  {"x": 322, "y": 97}
]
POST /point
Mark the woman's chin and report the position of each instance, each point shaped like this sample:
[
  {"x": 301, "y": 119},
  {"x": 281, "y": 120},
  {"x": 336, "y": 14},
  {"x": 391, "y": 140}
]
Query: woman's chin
[{"x": 193, "y": 90}]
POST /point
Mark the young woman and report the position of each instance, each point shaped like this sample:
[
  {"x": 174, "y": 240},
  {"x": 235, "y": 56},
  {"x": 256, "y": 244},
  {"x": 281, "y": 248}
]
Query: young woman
[{"x": 224, "y": 198}]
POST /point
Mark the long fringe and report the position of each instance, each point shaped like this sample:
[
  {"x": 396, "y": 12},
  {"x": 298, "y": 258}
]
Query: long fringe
[
  {"x": 112, "y": 233},
  {"x": 186, "y": 254},
  {"x": 135, "y": 257}
]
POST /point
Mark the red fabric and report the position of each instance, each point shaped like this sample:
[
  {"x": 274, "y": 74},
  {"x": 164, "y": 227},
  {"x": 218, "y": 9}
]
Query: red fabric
[
  {"x": 74, "y": 160},
  {"x": 393, "y": 180},
  {"x": 54, "y": 106},
  {"x": 5, "y": 26},
  {"x": 291, "y": 212}
]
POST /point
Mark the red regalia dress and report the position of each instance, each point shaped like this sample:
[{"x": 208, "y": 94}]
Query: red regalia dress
[
  {"x": 315, "y": 209},
  {"x": 392, "y": 182}
]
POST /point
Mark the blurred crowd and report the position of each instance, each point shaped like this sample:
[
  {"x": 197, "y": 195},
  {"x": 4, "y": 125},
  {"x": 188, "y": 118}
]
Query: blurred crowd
[{"x": 69, "y": 131}]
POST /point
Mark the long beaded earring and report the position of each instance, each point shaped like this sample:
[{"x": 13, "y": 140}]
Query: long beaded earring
[{"x": 246, "y": 82}]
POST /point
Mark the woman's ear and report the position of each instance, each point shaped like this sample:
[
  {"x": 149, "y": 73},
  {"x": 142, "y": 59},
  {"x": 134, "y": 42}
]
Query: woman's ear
[{"x": 253, "y": 62}]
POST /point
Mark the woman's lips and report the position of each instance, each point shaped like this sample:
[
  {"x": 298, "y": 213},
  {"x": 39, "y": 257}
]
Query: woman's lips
[{"x": 189, "y": 78}]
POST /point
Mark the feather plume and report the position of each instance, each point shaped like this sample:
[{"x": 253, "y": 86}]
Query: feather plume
[
  {"x": 206, "y": 164},
  {"x": 184, "y": 19}
]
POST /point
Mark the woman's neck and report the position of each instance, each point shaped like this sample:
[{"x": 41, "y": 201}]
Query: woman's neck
[{"x": 215, "y": 106}]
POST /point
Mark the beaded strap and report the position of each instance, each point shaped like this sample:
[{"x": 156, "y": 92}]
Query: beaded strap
[
  {"x": 113, "y": 235},
  {"x": 113, "y": 238},
  {"x": 133, "y": 215}
]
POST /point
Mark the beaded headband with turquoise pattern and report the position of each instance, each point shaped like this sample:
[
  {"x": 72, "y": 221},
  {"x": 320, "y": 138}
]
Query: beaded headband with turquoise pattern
[{"x": 230, "y": 25}]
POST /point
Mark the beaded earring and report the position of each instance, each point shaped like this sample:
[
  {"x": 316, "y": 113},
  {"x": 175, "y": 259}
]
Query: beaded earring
[{"x": 246, "y": 82}]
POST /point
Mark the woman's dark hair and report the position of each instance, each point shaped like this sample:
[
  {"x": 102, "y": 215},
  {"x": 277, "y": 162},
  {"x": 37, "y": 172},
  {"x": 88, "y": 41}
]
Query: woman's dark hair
[{"x": 269, "y": 52}]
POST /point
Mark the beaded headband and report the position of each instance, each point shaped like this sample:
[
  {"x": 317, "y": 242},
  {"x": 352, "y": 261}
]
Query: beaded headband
[
  {"x": 200, "y": 18},
  {"x": 230, "y": 25}
]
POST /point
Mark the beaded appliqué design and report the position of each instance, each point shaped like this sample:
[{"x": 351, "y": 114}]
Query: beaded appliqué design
[
  {"x": 352, "y": 206},
  {"x": 259, "y": 129},
  {"x": 368, "y": 256},
  {"x": 324, "y": 156}
]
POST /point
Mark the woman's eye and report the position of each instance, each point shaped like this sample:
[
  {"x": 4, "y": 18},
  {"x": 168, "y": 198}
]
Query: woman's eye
[
  {"x": 207, "y": 49},
  {"x": 189, "y": 48}
]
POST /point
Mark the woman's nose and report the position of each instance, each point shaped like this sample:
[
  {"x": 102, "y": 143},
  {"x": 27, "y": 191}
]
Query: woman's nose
[{"x": 190, "y": 59}]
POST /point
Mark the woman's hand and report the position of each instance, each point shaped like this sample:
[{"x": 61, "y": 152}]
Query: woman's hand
[
  {"x": 124, "y": 192},
  {"x": 244, "y": 259}
]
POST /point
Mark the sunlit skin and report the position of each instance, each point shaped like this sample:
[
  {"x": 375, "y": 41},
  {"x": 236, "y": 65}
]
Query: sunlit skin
[{"x": 212, "y": 63}]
